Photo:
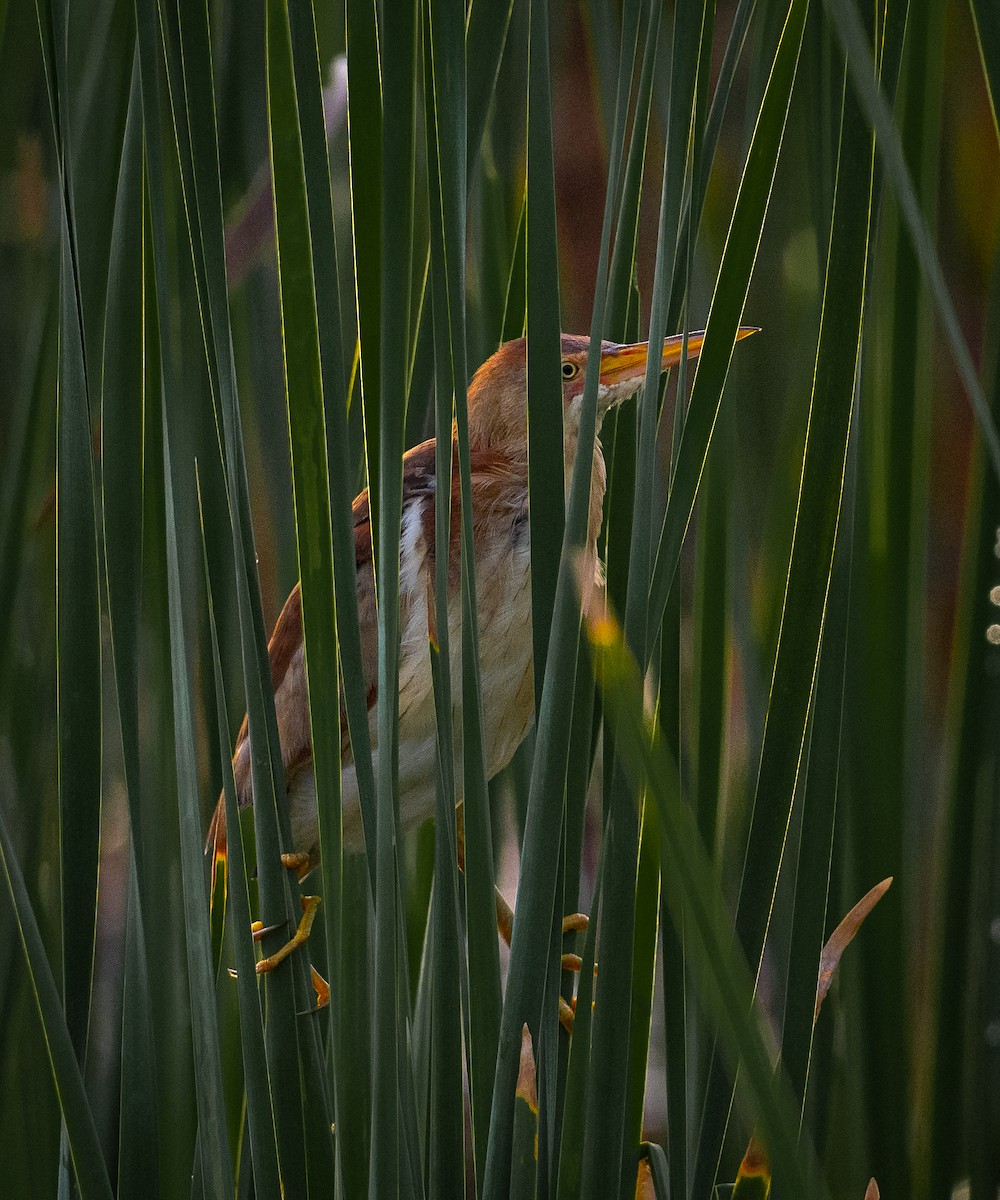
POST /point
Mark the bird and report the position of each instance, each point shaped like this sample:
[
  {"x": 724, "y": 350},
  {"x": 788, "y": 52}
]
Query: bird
[{"x": 498, "y": 445}]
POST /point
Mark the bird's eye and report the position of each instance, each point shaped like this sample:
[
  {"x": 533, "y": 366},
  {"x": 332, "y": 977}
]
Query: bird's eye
[{"x": 569, "y": 369}]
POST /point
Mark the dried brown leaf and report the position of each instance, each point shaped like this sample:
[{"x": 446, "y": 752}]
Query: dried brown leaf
[
  {"x": 644, "y": 1187},
  {"x": 842, "y": 937},
  {"x": 526, "y": 1089}
]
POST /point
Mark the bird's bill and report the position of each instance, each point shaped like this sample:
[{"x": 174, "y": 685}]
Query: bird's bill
[{"x": 627, "y": 364}]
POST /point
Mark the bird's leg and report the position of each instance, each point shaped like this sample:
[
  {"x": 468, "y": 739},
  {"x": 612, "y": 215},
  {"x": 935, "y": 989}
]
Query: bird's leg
[
  {"x": 309, "y": 906},
  {"x": 574, "y": 923},
  {"x": 299, "y": 863}
]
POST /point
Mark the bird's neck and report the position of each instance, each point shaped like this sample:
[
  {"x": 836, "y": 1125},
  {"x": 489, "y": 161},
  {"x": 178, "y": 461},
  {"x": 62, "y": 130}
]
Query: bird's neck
[
  {"x": 598, "y": 486},
  {"x": 516, "y": 459},
  {"x": 598, "y": 483}
]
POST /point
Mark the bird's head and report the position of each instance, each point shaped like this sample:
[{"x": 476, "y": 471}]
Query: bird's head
[{"x": 497, "y": 394}]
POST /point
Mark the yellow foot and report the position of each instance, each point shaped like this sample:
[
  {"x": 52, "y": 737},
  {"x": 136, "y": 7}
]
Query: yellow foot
[
  {"x": 574, "y": 923},
  {"x": 298, "y": 862},
  {"x": 567, "y": 1014},
  {"x": 322, "y": 989},
  {"x": 309, "y": 906}
]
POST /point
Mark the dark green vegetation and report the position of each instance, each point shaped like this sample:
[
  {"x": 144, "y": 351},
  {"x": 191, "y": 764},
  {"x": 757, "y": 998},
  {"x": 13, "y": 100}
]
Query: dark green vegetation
[{"x": 797, "y": 697}]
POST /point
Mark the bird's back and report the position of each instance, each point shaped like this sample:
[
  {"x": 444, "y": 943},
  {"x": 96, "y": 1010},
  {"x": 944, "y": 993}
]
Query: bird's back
[{"x": 503, "y": 584}]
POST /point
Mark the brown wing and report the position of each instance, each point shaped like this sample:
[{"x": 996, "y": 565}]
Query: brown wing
[{"x": 285, "y": 651}]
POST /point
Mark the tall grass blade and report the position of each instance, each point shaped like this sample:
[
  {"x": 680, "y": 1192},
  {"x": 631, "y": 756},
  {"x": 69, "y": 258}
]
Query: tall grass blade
[
  {"x": 692, "y": 889},
  {"x": 448, "y": 51},
  {"x": 389, "y": 1151},
  {"x": 731, "y": 287},
  {"x": 27, "y": 432},
  {"x": 340, "y": 469},
  {"x": 845, "y": 20},
  {"x": 887, "y": 749},
  {"x": 819, "y": 809},
  {"x": 259, "y": 1116},
  {"x": 78, "y": 648},
  {"x": 364, "y": 123},
  {"x": 524, "y": 1165},
  {"x": 537, "y": 920},
  {"x": 187, "y": 51},
  {"x": 446, "y": 1132},
  {"x": 213, "y": 1146},
  {"x": 543, "y": 325},
  {"x": 138, "y": 1127},
  {"x": 809, "y": 570},
  {"x": 307, "y": 434},
  {"x": 571, "y": 1148},
  {"x": 78, "y": 639},
  {"x": 125, "y": 393},
  {"x": 644, "y": 940},
  {"x": 89, "y": 1168},
  {"x": 969, "y": 799},
  {"x": 307, "y": 438},
  {"x": 987, "y": 23},
  {"x": 619, "y": 1052},
  {"x": 171, "y": 1011}
]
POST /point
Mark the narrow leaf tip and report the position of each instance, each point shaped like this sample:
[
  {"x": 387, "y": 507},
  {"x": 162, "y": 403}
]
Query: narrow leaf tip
[{"x": 526, "y": 1072}]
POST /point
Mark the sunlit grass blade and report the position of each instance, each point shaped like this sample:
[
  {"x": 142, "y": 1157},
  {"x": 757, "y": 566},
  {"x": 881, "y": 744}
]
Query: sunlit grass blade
[
  {"x": 89, "y": 1167},
  {"x": 987, "y": 22},
  {"x": 692, "y": 889},
  {"x": 809, "y": 572},
  {"x": 819, "y": 808},
  {"x": 893, "y": 665},
  {"x": 623, "y": 264},
  {"x": 720, "y": 99},
  {"x": 731, "y": 287},
  {"x": 625, "y": 984},
  {"x": 486, "y": 35},
  {"x": 860, "y": 66},
  {"x": 691, "y": 27},
  {"x": 647, "y": 911},
  {"x": 515, "y": 303}
]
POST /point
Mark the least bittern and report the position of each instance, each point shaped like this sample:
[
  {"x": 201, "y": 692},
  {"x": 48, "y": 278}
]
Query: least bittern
[{"x": 499, "y": 453}]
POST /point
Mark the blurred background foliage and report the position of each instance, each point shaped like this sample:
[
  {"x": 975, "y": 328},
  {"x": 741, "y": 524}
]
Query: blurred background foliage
[{"x": 905, "y": 1068}]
